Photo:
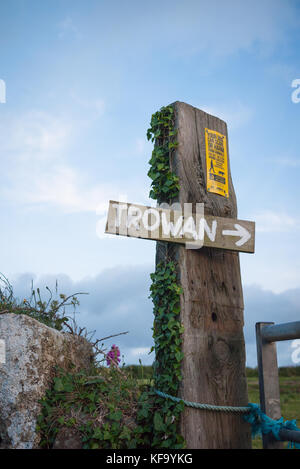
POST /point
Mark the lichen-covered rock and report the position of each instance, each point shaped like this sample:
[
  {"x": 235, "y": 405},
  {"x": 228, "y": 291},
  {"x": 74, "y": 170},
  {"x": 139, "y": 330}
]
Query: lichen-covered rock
[{"x": 32, "y": 351}]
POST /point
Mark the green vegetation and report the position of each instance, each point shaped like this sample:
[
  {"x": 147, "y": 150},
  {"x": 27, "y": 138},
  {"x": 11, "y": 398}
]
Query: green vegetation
[
  {"x": 165, "y": 291},
  {"x": 116, "y": 408},
  {"x": 140, "y": 372},
  {"x": 165, "y": 184},
  {"x": 283, "y": 371},
  {"x": 147, "y": 370},
  {"x": 167, "y": 331},
  {"x": 105, "y": 407},
  {"x": 51, "y": 312}
]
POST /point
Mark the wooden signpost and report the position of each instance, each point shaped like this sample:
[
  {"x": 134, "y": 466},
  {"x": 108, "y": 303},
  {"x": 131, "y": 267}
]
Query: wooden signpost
[
  {"x": 211, "y": 305},
  {"x": 176, "y": 226}
]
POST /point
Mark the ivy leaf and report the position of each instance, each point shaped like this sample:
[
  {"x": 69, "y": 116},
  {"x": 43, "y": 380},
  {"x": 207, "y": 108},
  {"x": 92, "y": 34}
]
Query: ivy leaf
[
  {"x": 158, "y": 422},
  {"x": 58, "y": 386},
  {"x": 116, "y": 415},
  {"x": 94, "y": 446},
  {"x": 179, "y": 356},
  {"x": 125, "y": 434},
  {"x": 97, "y": 434}
]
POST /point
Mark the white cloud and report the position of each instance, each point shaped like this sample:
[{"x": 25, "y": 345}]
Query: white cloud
[
  {"x": 118, "y": 301},
  {"x": 36, "y": 169},
  {"x": 63, "y": 187},
  {"x": 138, "y": 351},
  {"x": 35, "y": 135},
  {"x": 275, "y": 222}
]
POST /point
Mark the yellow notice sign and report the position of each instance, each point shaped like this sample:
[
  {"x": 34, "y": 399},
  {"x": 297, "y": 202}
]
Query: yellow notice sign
[{"x": 216, "y": 163}]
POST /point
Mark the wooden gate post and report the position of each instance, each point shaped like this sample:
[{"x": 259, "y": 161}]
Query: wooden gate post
[
  {"x": 213, "y": 366},
  {"x": 269, "y": 391}
]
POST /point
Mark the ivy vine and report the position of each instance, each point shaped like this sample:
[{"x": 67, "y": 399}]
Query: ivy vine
[
  {"x": 165, "y": 291},
  {"x": 167, "y": 330},
  {"x": 165, "y": 184}
]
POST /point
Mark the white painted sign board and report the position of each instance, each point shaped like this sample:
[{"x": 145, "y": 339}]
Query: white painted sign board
[{"x": 184, "y": 227}]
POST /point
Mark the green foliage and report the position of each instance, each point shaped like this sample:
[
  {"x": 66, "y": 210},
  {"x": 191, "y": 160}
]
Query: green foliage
[
  {"x": 165, "y": 292},
  {"x": 51, "y": 312},
  {"x": 165, "y": 184},
  {"x": 141, "y": 372},
  {"x": 286, "y": 371},
  {"x": 108, "y": 409},
  {"x": 111, "y": 408},
  {"x": 283, "y": 371},
  {"x": 167, "y": 331}
]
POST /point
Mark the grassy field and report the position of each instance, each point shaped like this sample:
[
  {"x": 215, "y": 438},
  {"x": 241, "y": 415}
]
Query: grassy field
[{"x": 289, "y": 399}]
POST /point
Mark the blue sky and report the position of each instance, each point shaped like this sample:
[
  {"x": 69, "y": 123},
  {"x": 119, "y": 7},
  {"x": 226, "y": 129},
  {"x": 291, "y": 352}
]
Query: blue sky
[{"x": 82, "y": 80}]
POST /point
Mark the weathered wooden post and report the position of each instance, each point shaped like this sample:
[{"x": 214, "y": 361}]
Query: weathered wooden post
[
  {"x": 211, "y": 303},
  {"x": 213, "y": 367},
  {"x": 268, "y": 382}
]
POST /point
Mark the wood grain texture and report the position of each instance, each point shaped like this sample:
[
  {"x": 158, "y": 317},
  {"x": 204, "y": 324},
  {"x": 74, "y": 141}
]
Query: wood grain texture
[
  {"x": 213, "y": 367},
  {"x": 269, "y": 391}
]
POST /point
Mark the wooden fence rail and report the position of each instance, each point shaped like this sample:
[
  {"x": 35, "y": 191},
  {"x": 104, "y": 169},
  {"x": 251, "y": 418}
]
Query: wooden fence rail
[{"x": 267, "y": 334}]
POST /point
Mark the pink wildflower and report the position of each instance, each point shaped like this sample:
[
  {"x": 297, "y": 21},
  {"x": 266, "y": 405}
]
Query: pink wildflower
[{"x": 112, "y": 358}]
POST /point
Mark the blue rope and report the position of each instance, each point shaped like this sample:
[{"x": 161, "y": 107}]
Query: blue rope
[
  {"x": 260, "y": 422},
  {"x": 196, "y": 405}
]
